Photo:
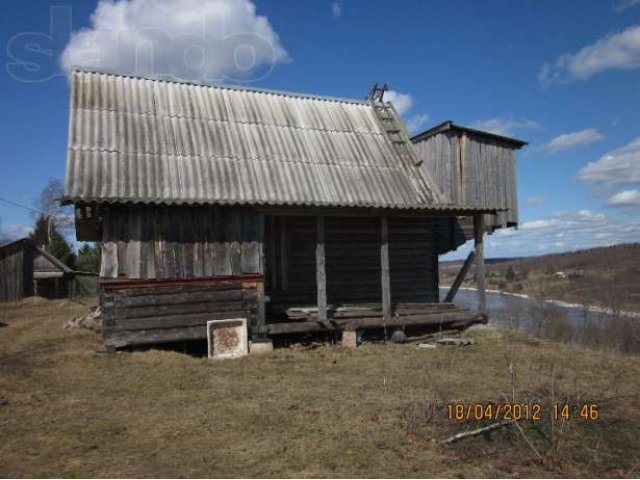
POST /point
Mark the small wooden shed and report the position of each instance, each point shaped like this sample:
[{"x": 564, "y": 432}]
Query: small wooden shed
[
  {"x": 27, "y": 269},
  {"x": 472, "y": 166},
  {"x": 299, "y": 212}
]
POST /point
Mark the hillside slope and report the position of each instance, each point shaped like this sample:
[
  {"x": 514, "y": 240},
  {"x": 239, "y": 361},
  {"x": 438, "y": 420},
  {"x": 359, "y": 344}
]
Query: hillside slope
[
  {"x": 374, "y": 412},
  {"x": 606, "y": 276}
]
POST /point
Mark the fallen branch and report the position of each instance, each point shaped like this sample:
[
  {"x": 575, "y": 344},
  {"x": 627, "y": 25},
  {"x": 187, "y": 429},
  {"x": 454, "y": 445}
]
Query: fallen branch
[{"x": 473, "y": 433}]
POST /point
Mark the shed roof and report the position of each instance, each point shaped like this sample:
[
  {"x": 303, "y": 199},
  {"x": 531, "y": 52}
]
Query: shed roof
[
  {"x": 449, "y": 125},
  {"x": 27, "y": 242},
  {"x": 148, "y": 140}
]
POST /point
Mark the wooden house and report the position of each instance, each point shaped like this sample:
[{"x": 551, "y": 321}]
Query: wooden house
[
  {"x": 27, "y": 270},
  {"x": 298, "y": 212}
]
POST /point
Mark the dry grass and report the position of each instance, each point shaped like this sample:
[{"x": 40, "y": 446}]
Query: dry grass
[{"x": 377, "y": 411}]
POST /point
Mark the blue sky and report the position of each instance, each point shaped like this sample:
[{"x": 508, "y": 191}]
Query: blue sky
[{"x": 564, "y": 76}]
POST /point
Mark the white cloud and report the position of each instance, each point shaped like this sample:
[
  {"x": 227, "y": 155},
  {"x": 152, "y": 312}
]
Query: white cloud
[
  {"x": 15, "y": 231},
  {"x": 567, "y": 141},
  {"x": 624, "y": 4},
  {"x": 625, "y": 198},
  {"x": 336, "y": 9},
  {"x": 206, "y": 40},
  {"x": 417, "y": 122},
  {"x": 505, "y": 125},
  {"x": 540, "y": 224},
  {"x": 617, "y": 167},
  {"x": 403, "y": 102},
  {"x": 562, "y": 231},
  {"x": 533, "y": 201},
  {"x": 617, "y": 51}
]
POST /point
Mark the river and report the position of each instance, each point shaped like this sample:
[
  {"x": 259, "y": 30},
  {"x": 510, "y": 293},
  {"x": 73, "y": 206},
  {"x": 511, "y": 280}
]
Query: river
[{"x": 542, "y": 318}]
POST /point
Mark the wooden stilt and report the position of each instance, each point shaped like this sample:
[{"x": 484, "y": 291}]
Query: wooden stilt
[
  {"x": 321, "y": 276},
  {"x": 260, "y": 332},
  {"x": 460, "y": 277},
  {"x": 478, "y": 236},
  {"x": 283, "y": 253},
  {"x": 384, "y": 264}
]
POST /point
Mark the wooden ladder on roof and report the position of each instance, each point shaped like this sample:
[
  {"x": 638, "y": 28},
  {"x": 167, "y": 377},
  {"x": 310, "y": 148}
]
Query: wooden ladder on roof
[{"x": 389, "y": 119}]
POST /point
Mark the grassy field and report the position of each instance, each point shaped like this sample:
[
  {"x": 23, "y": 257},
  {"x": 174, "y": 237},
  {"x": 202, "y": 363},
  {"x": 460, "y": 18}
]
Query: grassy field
[
  {"x": 377, "y": 411},
  {"x": 605, "y": 276}
]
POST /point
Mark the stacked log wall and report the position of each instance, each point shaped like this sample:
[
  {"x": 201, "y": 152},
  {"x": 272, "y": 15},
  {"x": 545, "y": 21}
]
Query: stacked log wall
[
  {"x": 146, "y": 314},
  {"x": 166, "y": 271}
]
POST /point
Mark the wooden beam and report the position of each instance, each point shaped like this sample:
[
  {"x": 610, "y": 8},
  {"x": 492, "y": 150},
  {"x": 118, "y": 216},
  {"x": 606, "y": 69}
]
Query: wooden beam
[
  {"x": 384, "y": 264},
  {"x": 451, "y": 320},
  {"x": 478, "y": 236},
  {"x": 272, "y": 254},
  {"x": 321, "y": 275},
  {"x": 460, "y": 277},
  {"x": 283, "y": 253},
  {"x": 261, "y": 328}
]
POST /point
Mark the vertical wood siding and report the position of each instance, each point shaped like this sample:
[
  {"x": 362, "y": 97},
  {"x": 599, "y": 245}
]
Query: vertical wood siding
[
  {"x": 473, "y": 170},
  {"x": 353, "y": 265},
  {"x": 181, "y": 242},
  {"x": 12, "y": 280}
]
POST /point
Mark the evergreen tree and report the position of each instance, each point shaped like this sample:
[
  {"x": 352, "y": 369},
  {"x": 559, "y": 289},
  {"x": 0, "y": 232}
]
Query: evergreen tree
[
  {"x": 60, "y": 248},
  {"x": 89, "y": 258},
  {"x": 40, "y": 233},
  {"x": 45, "y": 234},
  {"x": 510, "y": 273}
]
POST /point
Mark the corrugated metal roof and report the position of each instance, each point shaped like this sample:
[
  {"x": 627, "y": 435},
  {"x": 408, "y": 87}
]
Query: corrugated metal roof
[
  {"x": 154, "y": 141},
  {"x": 449, "y": 125}
]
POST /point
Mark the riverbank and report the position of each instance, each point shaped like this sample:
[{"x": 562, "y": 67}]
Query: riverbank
[
  {"x": 604, "y": 277},
  {"x": 67, "y": 410},
  {"x": 558, "y": 303}
]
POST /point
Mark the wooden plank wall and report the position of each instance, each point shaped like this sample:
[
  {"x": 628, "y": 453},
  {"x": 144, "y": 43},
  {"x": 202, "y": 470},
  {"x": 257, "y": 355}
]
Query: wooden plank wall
[
  {"x": 489, "y": 178},
  {"x": 173, "y": 313},
  {"x": 413, "y": 254},
  {"x": 441, "y": 159},
  {"x": 12, "y": 278},
  {"x": 144, "y": 242},
  {"x": 353, "y": 265},
  {"x": 473, "y": 170}
]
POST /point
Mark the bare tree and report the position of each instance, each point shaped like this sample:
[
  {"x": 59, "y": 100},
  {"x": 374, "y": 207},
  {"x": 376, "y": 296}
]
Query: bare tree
[{"x": 48, "y": 203}]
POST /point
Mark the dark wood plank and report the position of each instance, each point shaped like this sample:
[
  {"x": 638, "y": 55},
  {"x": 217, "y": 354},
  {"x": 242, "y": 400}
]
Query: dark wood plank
[
  {"x": 444, "y": 319},
  {"x": 261, "y": 330},
  {"x": 478, "y": 234},
  {"x": 283, "y": 238},
  {"x": 321, "y": 275},
  {"x": 384, "y": 268}
]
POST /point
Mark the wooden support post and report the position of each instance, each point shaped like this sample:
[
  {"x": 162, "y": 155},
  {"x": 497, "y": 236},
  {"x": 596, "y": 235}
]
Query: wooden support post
[
  {"x": 261, "y": 328},
  {"x": 283, "y": 253},
  {"x": 272, "y": 254},
  {"x": 460, "y": 277},
  {"x": 384, "y": 268},
  {"x": 478, "y": 236},
  {"x": 321, "y": 275}
]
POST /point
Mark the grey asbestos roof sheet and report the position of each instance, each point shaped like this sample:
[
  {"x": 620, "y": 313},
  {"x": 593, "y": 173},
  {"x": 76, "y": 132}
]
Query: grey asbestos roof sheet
[{"x": 155, "y": 141}]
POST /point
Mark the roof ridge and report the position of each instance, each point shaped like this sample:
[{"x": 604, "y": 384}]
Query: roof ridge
[{"x": 285, "y": 93}]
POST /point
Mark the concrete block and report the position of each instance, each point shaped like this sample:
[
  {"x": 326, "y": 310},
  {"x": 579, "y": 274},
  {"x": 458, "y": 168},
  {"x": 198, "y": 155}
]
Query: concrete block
[
  {"x": 260, "y": 348},
  {"x": 349, "y": 339},
  {"x": 227, "y": 338}
]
